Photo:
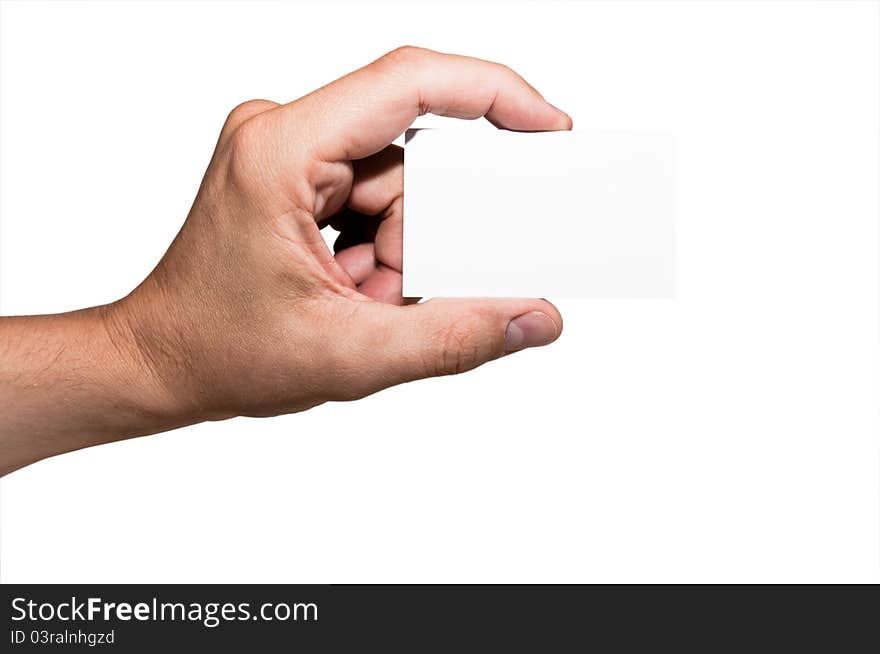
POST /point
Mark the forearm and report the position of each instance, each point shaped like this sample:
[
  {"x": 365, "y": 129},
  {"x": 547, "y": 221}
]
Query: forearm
[{"x": 73, "y": 380}]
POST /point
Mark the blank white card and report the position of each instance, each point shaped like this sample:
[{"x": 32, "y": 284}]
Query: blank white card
[{"x": 549, "y": 214}]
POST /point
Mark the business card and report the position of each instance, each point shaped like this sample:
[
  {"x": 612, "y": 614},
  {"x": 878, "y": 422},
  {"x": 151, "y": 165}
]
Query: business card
[{"x": 549, "y": 214}]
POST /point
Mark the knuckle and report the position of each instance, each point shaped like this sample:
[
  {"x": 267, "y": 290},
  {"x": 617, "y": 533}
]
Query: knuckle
[
  {"x": 404, "y": 55},
  {"x": 244, "y": 150},
  {"x": 246, "y": 135},
  {"x": 460, "y": 346},
  {"x": 248, "y": 109},
  {"x": 510, "y": 73}
]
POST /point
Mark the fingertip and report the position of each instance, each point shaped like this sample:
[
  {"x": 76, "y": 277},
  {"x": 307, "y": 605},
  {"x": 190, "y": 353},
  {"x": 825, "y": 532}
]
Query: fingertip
[
  {"x": 532, "y": 329},
  {"x": 567, "y": 121},
  {"x": 563, "y": 120},
  {"x": 553, "y": 313},
  {"x": 551, "y": 119}
]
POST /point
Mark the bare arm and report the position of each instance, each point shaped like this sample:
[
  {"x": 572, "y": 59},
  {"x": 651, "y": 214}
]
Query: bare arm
[{"x": 73, "y": 380}]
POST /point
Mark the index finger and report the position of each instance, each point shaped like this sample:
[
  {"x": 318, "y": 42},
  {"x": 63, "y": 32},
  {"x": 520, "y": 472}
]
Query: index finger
[{"x": 361, "y": 113}]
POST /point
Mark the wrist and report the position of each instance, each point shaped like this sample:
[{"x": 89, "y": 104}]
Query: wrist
[
  {"x": 152, "y": 358},
  {"x": 74, "y": 380},
  {"x": 143, "y": 384}
]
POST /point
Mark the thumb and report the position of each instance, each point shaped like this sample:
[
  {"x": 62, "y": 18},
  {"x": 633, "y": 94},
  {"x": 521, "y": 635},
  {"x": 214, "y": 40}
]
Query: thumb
[{"x": 449, "y": 336}]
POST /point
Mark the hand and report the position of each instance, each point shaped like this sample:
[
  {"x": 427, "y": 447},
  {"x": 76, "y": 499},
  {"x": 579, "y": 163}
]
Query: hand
[{"x": 248, "y": 313}]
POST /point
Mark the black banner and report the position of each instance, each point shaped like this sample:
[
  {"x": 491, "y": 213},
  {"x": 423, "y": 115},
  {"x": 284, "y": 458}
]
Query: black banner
[{"x": 411, "y": 618}]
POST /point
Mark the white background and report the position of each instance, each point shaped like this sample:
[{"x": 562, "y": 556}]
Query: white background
[{"x": 730, "y": 435}]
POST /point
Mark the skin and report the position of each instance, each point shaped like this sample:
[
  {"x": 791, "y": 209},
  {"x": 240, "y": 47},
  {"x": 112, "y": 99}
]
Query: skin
[{"x": 248, "y": 312}]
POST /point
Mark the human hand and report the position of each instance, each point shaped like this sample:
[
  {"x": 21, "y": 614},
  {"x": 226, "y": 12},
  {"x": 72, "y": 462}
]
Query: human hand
[{"x": 249, "y": 313}]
